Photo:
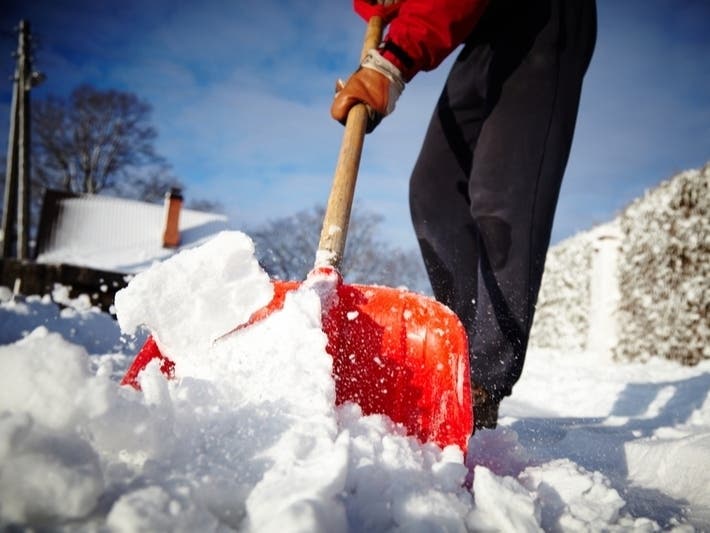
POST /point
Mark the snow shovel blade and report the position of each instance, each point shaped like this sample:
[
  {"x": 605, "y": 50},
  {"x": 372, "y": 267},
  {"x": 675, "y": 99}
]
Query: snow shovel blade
[
  {"x": 403, "y": 355},
  {"x": 394, "y": 352}
]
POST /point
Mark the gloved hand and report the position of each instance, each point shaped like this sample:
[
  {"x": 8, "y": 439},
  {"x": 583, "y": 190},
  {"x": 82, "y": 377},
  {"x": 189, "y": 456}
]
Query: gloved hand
[{"x": 377, "y": 83}]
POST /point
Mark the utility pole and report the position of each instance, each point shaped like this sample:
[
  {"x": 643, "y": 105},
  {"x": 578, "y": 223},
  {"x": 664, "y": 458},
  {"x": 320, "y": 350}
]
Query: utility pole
[{"x": 16, "y": 212}]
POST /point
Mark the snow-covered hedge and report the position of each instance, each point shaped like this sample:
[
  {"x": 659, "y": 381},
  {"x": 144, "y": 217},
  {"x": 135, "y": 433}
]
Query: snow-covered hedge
[
  {"x": 664, "y": 271},
  {"x": 562, "y": 311},
  {"x": 663, "y": 278}
]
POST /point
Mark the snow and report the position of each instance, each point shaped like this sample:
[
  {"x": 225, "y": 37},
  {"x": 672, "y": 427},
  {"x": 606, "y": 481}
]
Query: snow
[{"x": 248, "y": 436}]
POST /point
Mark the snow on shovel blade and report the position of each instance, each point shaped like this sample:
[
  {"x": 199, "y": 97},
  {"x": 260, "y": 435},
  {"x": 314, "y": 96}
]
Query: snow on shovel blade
[{"x": 394, "y": 352}]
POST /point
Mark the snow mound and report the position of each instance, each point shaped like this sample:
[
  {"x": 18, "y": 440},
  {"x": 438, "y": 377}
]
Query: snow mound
[
  {"x": 248, "y": 437},
  {"x": 74, "y": 319}
]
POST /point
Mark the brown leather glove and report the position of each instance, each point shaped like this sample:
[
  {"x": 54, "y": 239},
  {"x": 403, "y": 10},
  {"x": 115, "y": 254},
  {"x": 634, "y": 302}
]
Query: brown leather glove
[{"x": 377, "y": 83}]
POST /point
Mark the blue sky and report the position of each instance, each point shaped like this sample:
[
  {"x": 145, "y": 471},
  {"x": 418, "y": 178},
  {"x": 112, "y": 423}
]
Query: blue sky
[{"x": 240, "y": 92}]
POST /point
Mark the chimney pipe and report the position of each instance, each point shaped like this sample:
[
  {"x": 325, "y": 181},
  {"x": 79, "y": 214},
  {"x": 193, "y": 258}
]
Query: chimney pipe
[{"x": 171, "y": 230}]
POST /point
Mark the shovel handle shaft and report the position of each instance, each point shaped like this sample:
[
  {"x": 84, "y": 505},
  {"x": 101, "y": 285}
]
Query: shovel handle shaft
[
  {"x": 337, "y": 214},
  {"x": 373, "y": 35}
]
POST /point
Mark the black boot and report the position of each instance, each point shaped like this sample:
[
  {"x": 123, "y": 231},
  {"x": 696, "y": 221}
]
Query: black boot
[{"x": 485, "y": 409}]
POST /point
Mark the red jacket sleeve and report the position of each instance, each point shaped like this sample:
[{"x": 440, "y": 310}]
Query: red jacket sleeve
[{"x": 427, "y": 31}]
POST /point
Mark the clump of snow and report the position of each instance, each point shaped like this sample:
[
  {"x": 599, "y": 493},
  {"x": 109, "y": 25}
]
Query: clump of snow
[
  {"x": 196, "y": 296},
  {"x": 60, "y": 295},
  {"x": 248, "y": 437},
  {"x": 5, "y": 295},
  {"x": 49, "y": 472}
]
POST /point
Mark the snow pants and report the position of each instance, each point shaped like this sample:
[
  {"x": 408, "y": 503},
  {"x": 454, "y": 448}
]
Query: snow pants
[{"x": 484, "y": 188}]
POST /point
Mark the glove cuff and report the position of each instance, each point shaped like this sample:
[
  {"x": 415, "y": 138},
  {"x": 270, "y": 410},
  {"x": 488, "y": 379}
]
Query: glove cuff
[{"x": 374, "y": 61}]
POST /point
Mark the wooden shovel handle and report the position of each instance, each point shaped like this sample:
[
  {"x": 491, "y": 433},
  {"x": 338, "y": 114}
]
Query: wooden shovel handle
[{"x": 337, "y": 214}]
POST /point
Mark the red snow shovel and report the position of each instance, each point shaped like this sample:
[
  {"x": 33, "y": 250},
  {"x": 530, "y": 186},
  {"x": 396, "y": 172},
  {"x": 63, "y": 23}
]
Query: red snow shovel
[{"x": 394, "y": 352}]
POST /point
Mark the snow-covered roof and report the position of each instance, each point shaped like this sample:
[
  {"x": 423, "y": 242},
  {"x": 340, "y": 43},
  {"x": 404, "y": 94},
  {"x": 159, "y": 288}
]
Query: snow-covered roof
[{"x": 116, "y": 234}]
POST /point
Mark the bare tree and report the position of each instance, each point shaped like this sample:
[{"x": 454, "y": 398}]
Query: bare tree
[
  {"x": 149, "y": 184},
  {"x": 286, "y": 249},
  {"x": 91, "y": 140},
  {"x": 101, "y": 141},
  {"x": 286, "y": 246}
]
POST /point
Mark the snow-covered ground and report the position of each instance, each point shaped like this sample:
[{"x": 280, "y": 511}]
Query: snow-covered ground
[{"x": 248, "y": 436}]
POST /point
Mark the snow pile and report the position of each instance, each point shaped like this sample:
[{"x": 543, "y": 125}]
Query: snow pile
[
  {"x": 664, "y": 271},
  {"x": 248, "y": 437},
  {"x": 77, "y": 321},
  {"x": 562, "y": 311}
]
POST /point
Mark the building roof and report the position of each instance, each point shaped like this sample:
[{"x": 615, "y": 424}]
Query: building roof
[{"x": 116, "y": 234}]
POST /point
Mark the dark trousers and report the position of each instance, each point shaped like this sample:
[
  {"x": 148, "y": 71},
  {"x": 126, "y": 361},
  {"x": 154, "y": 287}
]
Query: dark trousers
[{"x": 484, "y": 189}]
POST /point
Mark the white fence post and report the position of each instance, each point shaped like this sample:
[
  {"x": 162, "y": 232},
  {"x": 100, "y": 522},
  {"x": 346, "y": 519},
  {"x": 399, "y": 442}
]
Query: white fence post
[{"x": 604, "y": 290}]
